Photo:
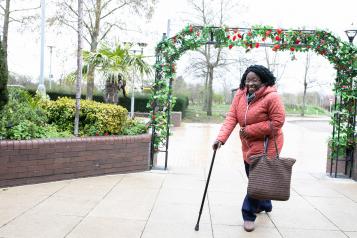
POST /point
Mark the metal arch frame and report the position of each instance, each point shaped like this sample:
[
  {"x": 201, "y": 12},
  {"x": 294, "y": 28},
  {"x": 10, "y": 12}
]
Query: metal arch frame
[{"x": 262, "y": 44}]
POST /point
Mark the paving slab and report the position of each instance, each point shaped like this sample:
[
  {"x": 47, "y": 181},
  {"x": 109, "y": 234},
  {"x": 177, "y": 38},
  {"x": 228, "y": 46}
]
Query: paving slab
[{"x": 164, "y": 204}]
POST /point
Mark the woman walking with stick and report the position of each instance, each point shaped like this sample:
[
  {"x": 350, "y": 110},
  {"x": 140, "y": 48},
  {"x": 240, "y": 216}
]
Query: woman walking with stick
[{"x": 259, "y": 111}]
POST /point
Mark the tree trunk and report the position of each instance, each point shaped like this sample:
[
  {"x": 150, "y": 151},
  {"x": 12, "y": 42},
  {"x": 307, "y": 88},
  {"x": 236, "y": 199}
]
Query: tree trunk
[
  {"x": 6, "y": 28},
  {"x": 111, "y": 92},
  {"x": 79, "y": 67},
  {"x": 304, "y": 100},
  {"x": 205, "y": 98},
  {"x": 307, "y": 65},
  {"x": 210, "y": 92},
  {"x": 93, "y": 48}
]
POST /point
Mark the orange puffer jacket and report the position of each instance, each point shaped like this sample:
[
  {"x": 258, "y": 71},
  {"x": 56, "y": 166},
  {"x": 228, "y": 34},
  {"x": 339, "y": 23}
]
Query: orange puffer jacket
[{"x": 265, "y": 111}]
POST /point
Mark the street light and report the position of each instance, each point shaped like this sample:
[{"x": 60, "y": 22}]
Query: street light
[
  {"x": 41, "y": 86},
  {"x": 50, "y": 74},
  {"x": 132, "y": 101},
  {"x": 351, "y": 34}
]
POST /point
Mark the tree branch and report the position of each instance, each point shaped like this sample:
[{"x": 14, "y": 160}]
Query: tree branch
[
  {"x": 112, "y": 11},
  {"x": 84, "y": 23},
  {"x": 25, "y": 9},
  {"x": 89, "y": 15}
]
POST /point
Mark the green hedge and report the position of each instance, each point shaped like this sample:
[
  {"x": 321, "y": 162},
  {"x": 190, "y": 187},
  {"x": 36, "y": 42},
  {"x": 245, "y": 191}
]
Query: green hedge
[
  {"x": 141, "y": 101},
  {"x": 95, "y": 118}
]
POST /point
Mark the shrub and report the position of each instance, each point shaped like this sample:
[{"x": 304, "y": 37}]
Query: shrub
[
  {"x": 94, "y": 119},
  {"x": 134, "y": 127},
  {"x": 22, "y": 118},
  {"x": 141, "y": 100}
]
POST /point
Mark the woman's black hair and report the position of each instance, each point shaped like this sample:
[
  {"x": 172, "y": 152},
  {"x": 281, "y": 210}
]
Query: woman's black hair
[{"x": 267, "y": 77}]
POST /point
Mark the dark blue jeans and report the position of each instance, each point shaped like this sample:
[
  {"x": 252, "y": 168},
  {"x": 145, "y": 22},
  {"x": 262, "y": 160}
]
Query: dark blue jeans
[{"x": 251, "y": 205}]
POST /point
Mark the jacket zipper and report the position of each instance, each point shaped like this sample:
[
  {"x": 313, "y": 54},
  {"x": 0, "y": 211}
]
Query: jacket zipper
[{"x": 245, "y": 122}]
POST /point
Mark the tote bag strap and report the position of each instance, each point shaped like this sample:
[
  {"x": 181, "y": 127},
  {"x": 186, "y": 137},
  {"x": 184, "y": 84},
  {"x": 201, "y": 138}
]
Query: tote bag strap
[{"x": 266, "y": 140}]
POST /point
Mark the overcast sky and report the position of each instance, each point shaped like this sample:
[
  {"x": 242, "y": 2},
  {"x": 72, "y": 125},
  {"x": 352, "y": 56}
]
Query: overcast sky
[{"x": 335, "y": 16}]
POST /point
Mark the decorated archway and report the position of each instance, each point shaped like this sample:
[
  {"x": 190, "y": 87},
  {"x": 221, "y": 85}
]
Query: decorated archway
[{"x": 341, "y": 54}]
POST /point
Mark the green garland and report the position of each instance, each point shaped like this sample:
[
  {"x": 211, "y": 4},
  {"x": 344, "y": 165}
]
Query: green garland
[{"x": 341, "y": 54}]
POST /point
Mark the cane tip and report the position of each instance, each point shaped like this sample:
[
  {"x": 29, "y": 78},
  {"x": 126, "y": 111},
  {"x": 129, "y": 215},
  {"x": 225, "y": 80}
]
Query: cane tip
[{"x": 197, "y": 227}]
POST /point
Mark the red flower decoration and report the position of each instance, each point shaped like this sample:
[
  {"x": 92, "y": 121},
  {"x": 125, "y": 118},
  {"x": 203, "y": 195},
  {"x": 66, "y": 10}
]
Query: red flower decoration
[
  {"x": 292, "y": 49},
  {"x": 277, "y": 38},
  {"x": 239, "y": 36},
  {"x": 191, "y": 28},
  {"x": 297, "y": 41},
  {"x": 230, "y": 46},
  {"x": 263, "y": 39},
  {"x": 279, "y": 31},
  {"x": 198, "y": 33},
  {"x": 257, "y": 45},
  {"x": 276, "y": 47},
  {"x": 234, "y": 37},
  {"x": 229, "y": 36},
  {"x": 106, "y": 134},
  {"x": 249, "y": 33},
  {"x": 268, "y": 32}
]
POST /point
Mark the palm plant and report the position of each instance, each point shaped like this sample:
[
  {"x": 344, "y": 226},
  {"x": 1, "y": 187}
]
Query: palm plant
[{"x": 116, "y": 64}]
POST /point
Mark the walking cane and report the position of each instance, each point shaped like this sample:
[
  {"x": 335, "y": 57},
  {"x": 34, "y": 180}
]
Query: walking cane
[{"x": 197, "y": 227}]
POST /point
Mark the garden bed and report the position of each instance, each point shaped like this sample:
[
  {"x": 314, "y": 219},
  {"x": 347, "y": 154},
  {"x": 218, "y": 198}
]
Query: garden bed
[{"x": 43, "y": 160}]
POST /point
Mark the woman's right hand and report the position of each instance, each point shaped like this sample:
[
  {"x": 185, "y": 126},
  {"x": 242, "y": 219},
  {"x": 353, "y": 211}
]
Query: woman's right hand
[{"x": 216, "y": 145}]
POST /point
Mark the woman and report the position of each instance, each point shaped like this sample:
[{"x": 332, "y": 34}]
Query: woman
[{"x": 258, "y": 110}]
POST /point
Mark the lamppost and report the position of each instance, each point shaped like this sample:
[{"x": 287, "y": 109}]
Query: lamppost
[
  {"x": 132, "y": 101},
  {"x": 41, "y": 86},
  {"x": 50, "y": 76}
]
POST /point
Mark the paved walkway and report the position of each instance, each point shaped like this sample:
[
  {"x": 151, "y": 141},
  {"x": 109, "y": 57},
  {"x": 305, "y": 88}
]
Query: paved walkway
[{"x": 165, "y": 204}]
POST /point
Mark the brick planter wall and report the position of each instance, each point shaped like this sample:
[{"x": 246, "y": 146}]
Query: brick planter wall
[{"x": 35, "y": 161}]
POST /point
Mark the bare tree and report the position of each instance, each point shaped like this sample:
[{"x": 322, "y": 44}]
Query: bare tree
[
  {"x": 79, "y": 67},
  {"x": 273, "y": 64},
  {"x": 211, "y": 58},
  {"x": 100, "y": 17},
  {"x": 14, "y": 15}
]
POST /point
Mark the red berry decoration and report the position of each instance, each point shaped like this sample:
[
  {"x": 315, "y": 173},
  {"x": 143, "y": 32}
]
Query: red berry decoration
[
  {"x": 297, "y": 41},
  {"x": 279, "y": 31},
  {"x": 292, "y": 49},
  {"x": 229, "y": 37},
  {"x": 263, "y": 39},
  {"x": 268, "y": 32},
  {"x": 239, "y": 36},
  {"x": 277, "y": 38},
  {"x": 234, "y": 37},
  {"x": 230, "y": 46},
  {"x": 249, "y": 33},
  {"x": 257, "y": 45},
  {"x": 191, "y": 28}
]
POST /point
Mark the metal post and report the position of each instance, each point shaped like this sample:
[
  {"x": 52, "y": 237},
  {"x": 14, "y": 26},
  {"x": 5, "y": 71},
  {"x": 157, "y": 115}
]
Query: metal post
[
  {"x": 132, "y": 101},
  {"x": 153, "y": 125},
  {"x": 41, "y": 86},
  {"x": 169, "y": 98},
  {"x": 50, "y": 77},
  {"x": 338, "y": 135}
]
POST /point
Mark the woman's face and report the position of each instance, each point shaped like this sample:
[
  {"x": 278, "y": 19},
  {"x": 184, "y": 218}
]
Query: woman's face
[{"x": 253, "y": 82}]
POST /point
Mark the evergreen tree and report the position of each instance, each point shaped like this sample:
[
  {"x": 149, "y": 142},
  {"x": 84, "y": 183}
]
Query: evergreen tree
[{"x": 3, "y": 78}]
